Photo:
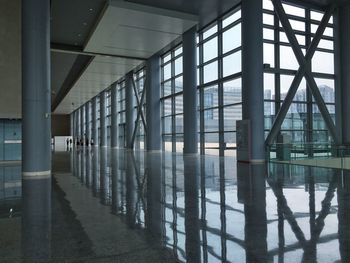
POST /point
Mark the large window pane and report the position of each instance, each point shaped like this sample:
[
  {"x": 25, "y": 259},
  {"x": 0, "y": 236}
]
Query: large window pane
[
  {"x": 232, "y": 91},
  {"x": 231, "y": 38},
  {"x": 210, "y": 72},
  {"x": 232, "y": 64}
]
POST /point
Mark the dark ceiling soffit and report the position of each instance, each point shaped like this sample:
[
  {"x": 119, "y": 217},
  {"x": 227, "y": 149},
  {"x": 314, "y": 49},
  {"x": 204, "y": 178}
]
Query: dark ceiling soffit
[
  {"x": 306, "y": 4},
  {"x": 64, "y": 48},
  {"x": 78, "y": 68},
  {"x": 99, "y": 18}
]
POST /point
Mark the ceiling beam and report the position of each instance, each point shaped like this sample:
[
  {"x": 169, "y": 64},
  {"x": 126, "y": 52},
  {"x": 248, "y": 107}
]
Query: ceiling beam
[
  {"x": 78, "y": 68},
  {"x": 64, "y": 48}
]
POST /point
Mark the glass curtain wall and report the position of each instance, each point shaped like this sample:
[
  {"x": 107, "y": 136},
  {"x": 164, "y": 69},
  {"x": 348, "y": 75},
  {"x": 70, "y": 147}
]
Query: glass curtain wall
[
  {"x": 220, "y": 84},
  {"x": 139, "y": 78},
  {"x": 303, "y": 123},
  {"x": 172, "y": 100},
  {"x": 108, "y": 116},
  {"x": 121, "y": 113}
]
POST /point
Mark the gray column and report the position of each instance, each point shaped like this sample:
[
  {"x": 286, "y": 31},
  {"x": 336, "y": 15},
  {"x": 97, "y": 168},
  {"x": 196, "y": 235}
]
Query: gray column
[
  {"x": 343, "y": 93},
  {"x": 82, "y": 130},
  {"x": 71, "y": 119},
  {"x": 153, "y": 139},
  {"x": 103, "y": 126},
  {"x": 94, "y": 135},
  {"x": 252, "y": 76},
  {"x": 129, "y": 109},
  {"x": 77, "y": 114},
  {"x": 190, "y": 91},
  {"x": 36, "y": 88},
  {"x": 87, "y": 121},
  {"x": 114, "y": 116}
]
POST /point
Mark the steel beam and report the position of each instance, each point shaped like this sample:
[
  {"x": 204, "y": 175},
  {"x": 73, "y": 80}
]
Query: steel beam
[{"x": 304, "y": 70}]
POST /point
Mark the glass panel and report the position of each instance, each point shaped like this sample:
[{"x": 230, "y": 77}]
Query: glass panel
[
  {"x": 231, "y": 18},
  {"x": 293, "y": 10},
  {"x": 326, "y": 87},
  {"x": 323, "y": 62},
  {"x": 178, "y": 84},
  {"x": 178, "y": 51},
  {"x": 287, "y": 58},
  {"x": 269, "y": 55},
  {"x": 210, "y": 72},
  {"x": 268, "y": 34},
  {"x": 232, "y": 91},
  {"x": 210, "y": 31},
  {"x": 232, "y": 64},
  {"x": 179, "y": 120},
  {"x": 210, "y": 49},
  {"x": 231, "y": 115},
  {"x": 269, "y": 86},
  {"x": 167, "y": 58},
  {"x": 167, "y": 88},
  {"x": 211, "y": 120},
  {"x": 167, "y": 71},
  {"x": 178, "y": 66},
  {"x": 210, "y": 97},
  {"x": 167, "y": 124},
  {"x": 268, "y": 19},
  {"x": 167, "y": 107},
  {"x": 231, "y": 38},
  {"x": 178, "y": 104}
]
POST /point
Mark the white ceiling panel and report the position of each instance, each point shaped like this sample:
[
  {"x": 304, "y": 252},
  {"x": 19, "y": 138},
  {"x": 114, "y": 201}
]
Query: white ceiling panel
[
  {"x": 125, "y": 29},
  {"x": 100, "y": 74},
  {"x": 137, "y": 30}
]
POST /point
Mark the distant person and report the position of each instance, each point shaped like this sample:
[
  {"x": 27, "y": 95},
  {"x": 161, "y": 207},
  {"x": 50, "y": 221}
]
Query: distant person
[
  {"x": 70, "y": 142},
  {"x": 87, "y": 142},
  {"x": 67, "y": 141}
]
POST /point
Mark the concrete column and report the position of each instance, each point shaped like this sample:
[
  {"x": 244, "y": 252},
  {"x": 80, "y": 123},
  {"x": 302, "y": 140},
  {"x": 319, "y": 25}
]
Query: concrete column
[
  {"x": 192, "y": 223},
  {"x": 252, "y": 76},
  {"x": 36, "y": 89},
  {"x": 343, "y": 87},
  {"x": 189, "y": 45},
  {"x": 82, "y": 126},
  {"x": 71, "y": 119},
  {"x": 153, "y": 140},
  {"x": 36, "y": 220},
  {"x": 129, "y": 109},
  {"x": 87, "y": 121},
  {"x": 76, "y": 123},
  {"x": 103, "y": 125},
  {"x": 94, "y": 135},
  {"x": 114, "y": 116}
]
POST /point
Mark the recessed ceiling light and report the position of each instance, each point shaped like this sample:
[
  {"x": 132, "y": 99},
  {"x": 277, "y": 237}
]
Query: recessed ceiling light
[
  {"x": 85, "y": 24},
  {"x": 91, "y": 9},
  {"x": 79, "y": 35}
]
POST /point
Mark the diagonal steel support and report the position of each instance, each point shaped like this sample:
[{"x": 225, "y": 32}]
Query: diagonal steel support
[
  {"x": 304, "y": 70},
  {"x": 139, "y": 102},
  {"x": 139, "y": 112}
]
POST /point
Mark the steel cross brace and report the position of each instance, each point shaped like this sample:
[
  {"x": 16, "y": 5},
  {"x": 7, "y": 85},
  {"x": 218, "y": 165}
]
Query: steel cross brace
[
  {"x": 304, "y": 70},
  {"x": 139, "y": 111}
]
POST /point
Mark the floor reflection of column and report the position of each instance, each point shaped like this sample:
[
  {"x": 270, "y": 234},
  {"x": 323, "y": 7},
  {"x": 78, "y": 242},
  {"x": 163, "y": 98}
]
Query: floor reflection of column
[
  {"x": 154, "y": 207},
  {"x": 95, "y": 171},
  {"x": 192, "y": 227},
  {"x": 114, "y": 177},
  {"x": 36, "y": 220},
  {"x": 130, "y": 189},
  {"x": 104, "y": 176},
  {"x": 344, "y": 215},
  {"x": 88, "y": 168},
  {"x": 252, "y": 187}
]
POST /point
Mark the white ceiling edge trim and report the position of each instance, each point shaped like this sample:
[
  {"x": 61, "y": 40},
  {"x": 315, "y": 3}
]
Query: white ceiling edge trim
[{"x": 153, "y": 10}]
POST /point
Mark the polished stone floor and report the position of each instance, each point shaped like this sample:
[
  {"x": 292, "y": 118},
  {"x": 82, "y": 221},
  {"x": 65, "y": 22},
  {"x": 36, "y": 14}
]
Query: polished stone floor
[{"x": 106, "y": 205}]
